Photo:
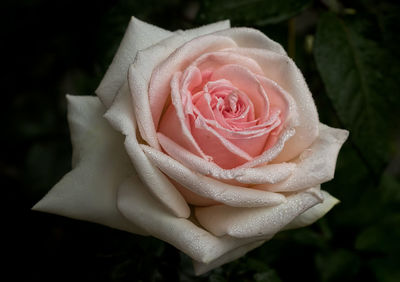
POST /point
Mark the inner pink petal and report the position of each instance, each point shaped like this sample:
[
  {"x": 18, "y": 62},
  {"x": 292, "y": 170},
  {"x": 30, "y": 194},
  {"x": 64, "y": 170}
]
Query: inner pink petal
[
  {"x": 175, "y": 123},
  {"x": 278, "y": 97},
  {"x": 223, "y": 152},
  {"x": 225, "y": 111},
  {"x": 248, "y": 83},
  {"x": 228, "y": 103},
  {"x": 209, "y": 62}
]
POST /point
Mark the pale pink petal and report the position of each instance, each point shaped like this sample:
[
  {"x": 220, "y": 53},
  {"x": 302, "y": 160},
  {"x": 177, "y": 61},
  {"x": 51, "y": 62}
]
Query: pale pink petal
[
  {"x": 252, "y": 38},
  {"x": 245, "y": 144},
  {"x": 256, "y": 222},
  {"x": 223, "y": 152},
  {"x": 179, "y": 60},
  {"x": 280, "y": 99},
  {"x": 97, "y": 150},
  {"x": 205, "y": 29},
  {"x": 271, "y": 173},
  {"x": 142, "y": 68},
  {"x": 175, "y": 123},
  {"x": 213, "y": 60},
  {"x": 210, "y": 188},
  {"x": 316, "y": 164},
  {"x": 202, "y": 101},
  {"x": 285, "y": 73},
  {"x": 220, "y": 96},
  {"x": 248, "y": 83},
  {"x": 271, "y": 154},
  {"x": 252, "y": 141},
  {"x": 121, "y": 117}
]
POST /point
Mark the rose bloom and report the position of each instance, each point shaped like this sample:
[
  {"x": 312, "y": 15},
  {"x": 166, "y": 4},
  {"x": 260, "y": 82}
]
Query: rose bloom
[{"x": 208, "y": 139}]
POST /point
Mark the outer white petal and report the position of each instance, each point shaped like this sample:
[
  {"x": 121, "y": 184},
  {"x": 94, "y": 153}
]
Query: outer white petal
[
  {"x": 235, "y": 196},
  {"x": 89, "y": 191},
  {"x": 137, "y": 205},
  {"x": 252, "y": 38},
  {"x": 142, "y": 68},
  {"x": 256, "y": 222},
  {"x": 313, "y": 214},
  {"x": 200, "y": 268},
  {"x": 316, "y": 164},
  {"x": 139, "y": 35},
  {"x": 121, "y": 116}
]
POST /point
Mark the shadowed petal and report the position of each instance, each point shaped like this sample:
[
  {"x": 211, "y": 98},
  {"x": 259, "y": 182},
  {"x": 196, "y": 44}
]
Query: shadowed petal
[
  {"x": 100, "y": 164},
  {"x": 122, "y": 118},
  {"x": 256, "y": 222},
  {"x": 137, "y": 205},
  {"x": 115, "y": 76}
]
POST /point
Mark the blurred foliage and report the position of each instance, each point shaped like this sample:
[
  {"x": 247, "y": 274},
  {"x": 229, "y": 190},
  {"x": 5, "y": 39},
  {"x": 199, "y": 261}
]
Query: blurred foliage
[
  {"x": 348, "y": 52},
  {"x": 254, "y": 12},
  {"x": 357, "y": 69}
]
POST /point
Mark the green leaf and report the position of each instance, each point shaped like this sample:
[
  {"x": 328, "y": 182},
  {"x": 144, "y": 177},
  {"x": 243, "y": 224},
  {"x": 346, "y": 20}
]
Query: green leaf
[
  {"x": 266, "y": 276},
  {"x": 338, "y": 265},
  {"x": 252, "y": 12},
  {"x": 386, "y": 269},
  {"x": 382, "y": 236},
  {"x": 383, "y": 233},
  {"x": 360, "y": 79}
]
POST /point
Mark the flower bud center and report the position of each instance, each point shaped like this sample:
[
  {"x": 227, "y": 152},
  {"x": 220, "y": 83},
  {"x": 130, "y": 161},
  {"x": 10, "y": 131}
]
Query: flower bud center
[{"x": 231, "y": 102}]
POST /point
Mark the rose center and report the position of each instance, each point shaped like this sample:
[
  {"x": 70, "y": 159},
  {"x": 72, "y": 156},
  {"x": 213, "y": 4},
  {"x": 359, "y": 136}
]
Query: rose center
[{"x": 231, "y": 103}]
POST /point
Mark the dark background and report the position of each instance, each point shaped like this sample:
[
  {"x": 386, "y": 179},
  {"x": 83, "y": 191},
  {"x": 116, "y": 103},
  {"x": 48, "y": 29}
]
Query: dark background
[{"x": 349, "y": 54}]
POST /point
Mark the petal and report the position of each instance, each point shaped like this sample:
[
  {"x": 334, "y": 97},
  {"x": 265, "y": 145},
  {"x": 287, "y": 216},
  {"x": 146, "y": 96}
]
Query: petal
[
  {"x": 246, "y": 81},
  {"x": 207, "y": 187},
  {"x": 139, "y": 35},
  {"x": 256, "y": 222},
  {"x": 271, "y": 173},
  {"x": 280, "y": 99},
  {"x": 121, "y": 116},
  {"x": 316, "y": 164},
  {"x": 201, "y": 268},
  {"x": 89, "y": 191},
  {"x": 313, "y": 214},
  {"x": 138, "y": 206},
  {"x": 174, "y": 123},
  {"x": 206, "y": 29},
  {"x": 285, "y": 73},
  {"x": 142, "y": 68},
  {"x": 178, "y": 61},
  {"x": 223, "y": 151},
  {"x": 252, "y": 38},
  {"x": 214, "y": 60},
  {"x": 273, "y": 151}
]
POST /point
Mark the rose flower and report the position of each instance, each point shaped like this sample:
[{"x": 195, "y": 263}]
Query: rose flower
[{"x": 208, "y": 139}]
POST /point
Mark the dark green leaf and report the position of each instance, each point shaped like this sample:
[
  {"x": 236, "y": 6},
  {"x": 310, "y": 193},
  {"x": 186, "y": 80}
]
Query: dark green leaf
[
  {"x": 266, "y": 276},
  {"x": 360, "y": 78},
  {"x": 252, "y": 12},
  {"x": 381, "y": 237},
  {"x": 384, "y": 232},
  {"x": 339, "y": 265},
  {"x": 386, "y": 269}
]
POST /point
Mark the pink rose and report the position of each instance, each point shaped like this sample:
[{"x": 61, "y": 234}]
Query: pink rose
[{"x": 208, "y": 139}]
